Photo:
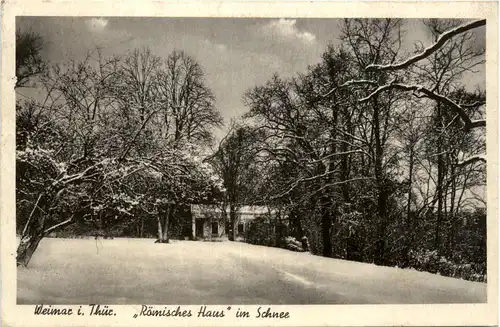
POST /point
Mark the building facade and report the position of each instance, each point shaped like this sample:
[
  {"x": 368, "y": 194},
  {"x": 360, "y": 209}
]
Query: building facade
[{"x": 208, "y": 222}]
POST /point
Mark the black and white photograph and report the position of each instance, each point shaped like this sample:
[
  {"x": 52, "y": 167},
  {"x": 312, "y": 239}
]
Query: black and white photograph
[{"x": 252, "y": 161}]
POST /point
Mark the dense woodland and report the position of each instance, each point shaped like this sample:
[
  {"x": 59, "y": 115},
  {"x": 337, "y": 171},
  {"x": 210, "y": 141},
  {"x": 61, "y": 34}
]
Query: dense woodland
[{"x": 375, "y": 154}]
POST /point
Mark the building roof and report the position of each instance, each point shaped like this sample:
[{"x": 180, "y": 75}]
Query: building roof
[
  {"x": 255, "y": 210},
  {"x": 244, "y": 210}
]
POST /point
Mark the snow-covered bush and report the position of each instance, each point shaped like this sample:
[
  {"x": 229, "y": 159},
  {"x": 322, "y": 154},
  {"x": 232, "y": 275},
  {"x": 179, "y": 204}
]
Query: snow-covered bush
[
  {"x": 292, "y": 244},
  {"x": 431, "y": 261},
  {"x": 260, "y": 232}
]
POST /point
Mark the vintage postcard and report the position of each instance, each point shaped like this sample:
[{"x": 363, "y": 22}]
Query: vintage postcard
[{"x": 249, "y": 163}]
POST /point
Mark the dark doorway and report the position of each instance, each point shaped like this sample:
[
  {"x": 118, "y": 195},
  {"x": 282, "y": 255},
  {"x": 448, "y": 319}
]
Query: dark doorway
[
  {"x": 215, "y": 228},
  {"x": 199, "y": 227}
]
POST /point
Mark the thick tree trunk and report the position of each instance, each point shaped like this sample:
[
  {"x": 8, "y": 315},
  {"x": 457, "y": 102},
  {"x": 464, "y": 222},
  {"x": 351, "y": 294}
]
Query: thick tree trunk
[
  {"x": 27, "y": 247},
  {"x": 437, "y": 235},
  {"x": 382, "y": 230},
  {"x": 382, "y": 192},
  {"x": 225, "y": 217},
  {"x": 33, "y": 233},
  {"x": 278, "y": 235},
  {"x": 299, "y": 231},
  {"x": 160, "y": 229},
  {"x": 408, "y": 222},
  {"x": 191, "y": 226},
  {"x": 232, "y": 222},
  {"x": 452, "y": 218},
  {"x": 326, "y": 201},
  {"x": 345, "y": 163},
  {"x": 141, "y": 232},
  {"x": 164, "y": 235},
  {"x": 326, "y": 228},
  {"x": 439, "y": 191},
  {"x": 325, "y": 232},
  {"x": 163, "y": 226},
  {"x": 295, "y": 225},
  {"x": 410, "y": 184}
]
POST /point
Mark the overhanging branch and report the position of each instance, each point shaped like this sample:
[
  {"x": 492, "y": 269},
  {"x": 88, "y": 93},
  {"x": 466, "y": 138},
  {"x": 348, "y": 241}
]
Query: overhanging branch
[
  {"x": 459, "y": 110},
  {"x": 471, "y": 160},
  {"x": 60, "y": 225},
  {"x": 429, "y": 50}
]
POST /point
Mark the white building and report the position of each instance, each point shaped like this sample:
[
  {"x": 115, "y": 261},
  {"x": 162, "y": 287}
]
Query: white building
[{"x": 208, "y": 220}]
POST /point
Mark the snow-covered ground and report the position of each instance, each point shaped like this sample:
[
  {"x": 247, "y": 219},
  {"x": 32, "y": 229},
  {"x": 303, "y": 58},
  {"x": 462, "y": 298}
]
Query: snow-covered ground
[{"x": 136, "y": 271}]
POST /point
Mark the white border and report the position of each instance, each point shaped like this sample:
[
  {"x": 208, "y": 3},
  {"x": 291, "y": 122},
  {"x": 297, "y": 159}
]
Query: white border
[{"x": 345, "y": 315}]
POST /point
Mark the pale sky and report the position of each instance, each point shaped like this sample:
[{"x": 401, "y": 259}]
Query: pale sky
[{"x": 236, "y": 54}]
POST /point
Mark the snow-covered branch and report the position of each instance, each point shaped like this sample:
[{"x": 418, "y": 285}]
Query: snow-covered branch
[
  {"x": 350, "y": 83},
  {"x": 68, "y": 179},
  {"x": 128, "y": 147},
  {"x": 429, "y": 50},
  {"x": 475, "y": 104},
  {"x": 355, "y": 179},
  {"x": 459, "y": 110},
  {"x": 471, "y": 160},
  {"x": 57, "y": 226},
  {"x": 340, "y": 154}
]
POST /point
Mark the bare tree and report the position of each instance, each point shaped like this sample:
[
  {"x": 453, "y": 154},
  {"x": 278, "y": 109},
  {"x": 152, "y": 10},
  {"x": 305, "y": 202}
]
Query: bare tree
[
  {"x": 188, "y": 104},
  {"x": 235, "y": 162},
  {"x": 371, "y": 41},
  {"x": 460, "y": 52}
]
